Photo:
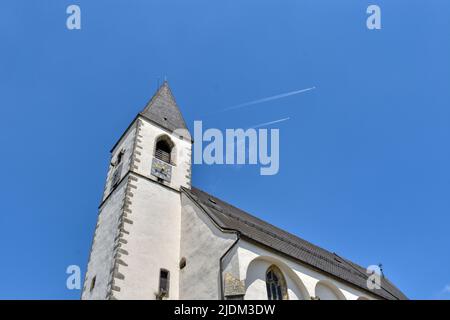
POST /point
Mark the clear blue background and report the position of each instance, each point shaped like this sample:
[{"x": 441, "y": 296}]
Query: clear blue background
[{"x": 364, "y": 158}]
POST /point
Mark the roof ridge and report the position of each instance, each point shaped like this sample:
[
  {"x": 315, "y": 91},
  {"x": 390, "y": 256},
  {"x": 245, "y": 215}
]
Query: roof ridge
[{"x": 294, "y": 246}]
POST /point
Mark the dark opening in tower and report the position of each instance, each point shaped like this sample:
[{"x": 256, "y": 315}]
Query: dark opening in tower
[{"x": 163, "y": 151}]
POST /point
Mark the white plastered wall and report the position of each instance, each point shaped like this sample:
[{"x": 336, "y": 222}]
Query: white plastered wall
[
  {"x": 153, "y": 242},
  {"x": 202, "y": 245},
  {"x": 153, "y": 239},
  {"x": 301, "y": 279},
  {"x": 101, "y": 256}
]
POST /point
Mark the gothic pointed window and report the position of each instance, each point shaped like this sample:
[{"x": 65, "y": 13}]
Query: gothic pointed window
[{"x": 275, "y": 284}]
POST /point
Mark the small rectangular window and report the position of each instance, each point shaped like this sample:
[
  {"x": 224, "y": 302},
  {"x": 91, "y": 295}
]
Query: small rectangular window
[{"x": 164, "y": 281}]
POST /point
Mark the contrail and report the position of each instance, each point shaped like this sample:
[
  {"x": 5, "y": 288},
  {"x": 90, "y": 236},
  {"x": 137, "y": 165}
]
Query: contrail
[
  {"x": 268, "y": 123},
  {"x": 278, "y": 96},
  {"x": 239, "y": 142}
]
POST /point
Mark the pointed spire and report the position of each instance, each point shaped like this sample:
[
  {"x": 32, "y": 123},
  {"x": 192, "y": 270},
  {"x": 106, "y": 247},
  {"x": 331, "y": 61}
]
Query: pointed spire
[{"x": 163, "y": 109}]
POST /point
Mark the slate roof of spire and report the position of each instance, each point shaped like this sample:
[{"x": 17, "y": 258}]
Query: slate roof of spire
[
  {"x": 250, "y": 227},
  {"x": 163, "y": 110}
]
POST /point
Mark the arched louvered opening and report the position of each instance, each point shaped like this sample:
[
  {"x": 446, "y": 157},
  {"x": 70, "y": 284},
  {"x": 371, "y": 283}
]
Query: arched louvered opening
[{"x": 163, "y": 149}]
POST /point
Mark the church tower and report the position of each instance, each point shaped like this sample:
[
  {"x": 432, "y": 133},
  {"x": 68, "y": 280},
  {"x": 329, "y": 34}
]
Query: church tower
[{"x": 135, "y": 253}]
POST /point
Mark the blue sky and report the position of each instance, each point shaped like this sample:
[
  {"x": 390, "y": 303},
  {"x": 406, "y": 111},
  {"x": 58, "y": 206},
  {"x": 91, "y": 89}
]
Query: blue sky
[{"x": 363, "y": 157}]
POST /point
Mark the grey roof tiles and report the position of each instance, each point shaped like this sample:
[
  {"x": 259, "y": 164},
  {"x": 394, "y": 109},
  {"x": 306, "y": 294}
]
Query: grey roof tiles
[
  {"x": 230, "y": 217},
  {"x": 163, "y": 110}
]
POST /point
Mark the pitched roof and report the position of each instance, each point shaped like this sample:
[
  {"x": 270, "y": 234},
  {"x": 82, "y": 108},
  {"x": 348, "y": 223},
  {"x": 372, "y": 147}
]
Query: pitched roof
[
  {"x": 230, "y": 217},
  {"x": 163, "y": 110}
]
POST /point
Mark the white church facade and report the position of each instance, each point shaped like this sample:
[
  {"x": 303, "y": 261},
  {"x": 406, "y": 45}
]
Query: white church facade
[{"x": 158, "y": 237}]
